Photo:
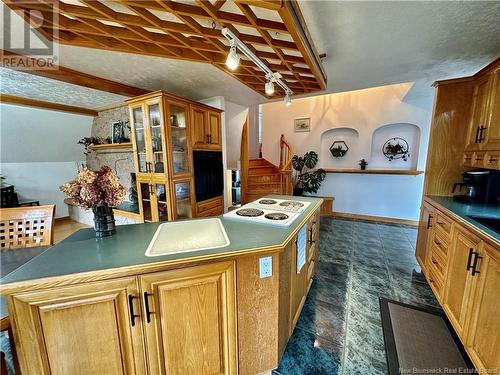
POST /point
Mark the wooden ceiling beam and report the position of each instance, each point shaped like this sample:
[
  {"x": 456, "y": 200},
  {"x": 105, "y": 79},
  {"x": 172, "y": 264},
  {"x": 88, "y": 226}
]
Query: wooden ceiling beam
[
  {"x": 61, "y": 73},
  {"x": 250, "y": 15},
  {"x": 16, "y": 100},
  {"x": 199, "y": 12}
]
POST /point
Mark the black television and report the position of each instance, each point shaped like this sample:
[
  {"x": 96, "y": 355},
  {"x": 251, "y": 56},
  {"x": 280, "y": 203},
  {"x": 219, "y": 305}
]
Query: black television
[{"x": 208, "y": 174}]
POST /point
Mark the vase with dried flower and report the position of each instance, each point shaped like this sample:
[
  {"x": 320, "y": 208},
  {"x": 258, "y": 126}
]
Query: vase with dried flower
[{"x": 99, "y": 190}]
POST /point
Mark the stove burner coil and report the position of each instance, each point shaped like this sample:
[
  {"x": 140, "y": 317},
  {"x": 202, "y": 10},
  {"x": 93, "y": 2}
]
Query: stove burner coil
[
  {"x": 249, "y": 212},
  {"x": 276, "y": 216},
  {"x": 292, "y": 204},
  {"x": 267, "y": 201}
]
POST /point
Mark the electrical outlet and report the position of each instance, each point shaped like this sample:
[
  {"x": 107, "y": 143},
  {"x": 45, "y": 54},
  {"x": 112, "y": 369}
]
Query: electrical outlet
[{"x": 265, "y": 267}]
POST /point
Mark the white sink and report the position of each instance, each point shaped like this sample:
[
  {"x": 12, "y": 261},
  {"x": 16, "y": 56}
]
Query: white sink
[{"x": 184, "y": 236}]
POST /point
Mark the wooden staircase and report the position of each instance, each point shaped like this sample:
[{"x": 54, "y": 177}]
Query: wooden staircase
[
  {"x": 259, "y": 177},
  {"x": 264, "y": 178}
]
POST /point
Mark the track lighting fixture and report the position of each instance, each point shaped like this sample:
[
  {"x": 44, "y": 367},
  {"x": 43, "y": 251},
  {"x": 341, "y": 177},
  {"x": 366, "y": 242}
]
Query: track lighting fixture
[{"x": 233, "y": 59}]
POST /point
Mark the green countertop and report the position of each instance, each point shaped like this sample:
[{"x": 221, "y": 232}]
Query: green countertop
[
  {"x": 464, "y": 210},
  {"x": 82, "y": 252}
]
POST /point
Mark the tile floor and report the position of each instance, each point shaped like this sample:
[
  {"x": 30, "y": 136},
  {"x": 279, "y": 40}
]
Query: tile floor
[{"x": 339, "y": 330}]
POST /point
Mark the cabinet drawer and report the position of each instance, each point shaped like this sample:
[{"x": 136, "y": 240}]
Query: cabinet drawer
[
  {"x": 468, "y": 156},
  {"x": 435, "y": 282},
  {"x": 478, "y": 160},
  {"x": 216, "y": 211},
  {"x": 209, "y": 204},
  {"x": 440, "y": 244},
  {"x": 492, "y": 160},
  {"x": 437, "y": 263},
  {"x": 444, "y": 225}
]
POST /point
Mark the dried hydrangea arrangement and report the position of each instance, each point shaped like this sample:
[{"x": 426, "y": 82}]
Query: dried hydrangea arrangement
[{"x": 95, "y": 188}]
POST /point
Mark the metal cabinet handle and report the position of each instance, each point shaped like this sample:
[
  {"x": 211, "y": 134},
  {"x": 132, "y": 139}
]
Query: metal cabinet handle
[
  {"x": 311, "y": 236},
  {"x": 146, "y": 304},
  {"x": 474, "y": 264},
  {"x": 210, "y": 138},
  {"x": 481, "y": 133},
  {"x": 429, "y": 224},
  {"x": 469, "y": 258},
  {"x": 437, "y": 242},
  {"x": 131, "y": 309}
]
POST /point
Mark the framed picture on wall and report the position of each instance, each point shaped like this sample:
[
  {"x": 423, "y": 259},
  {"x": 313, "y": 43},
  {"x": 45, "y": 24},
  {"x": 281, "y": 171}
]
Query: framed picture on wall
[
  {"x": 120, "y": 132},
  {"x": 302, "y": 124}
]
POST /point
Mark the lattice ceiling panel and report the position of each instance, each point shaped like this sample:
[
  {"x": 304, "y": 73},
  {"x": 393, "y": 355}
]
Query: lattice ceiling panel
[{"x": 190, "y": 30}]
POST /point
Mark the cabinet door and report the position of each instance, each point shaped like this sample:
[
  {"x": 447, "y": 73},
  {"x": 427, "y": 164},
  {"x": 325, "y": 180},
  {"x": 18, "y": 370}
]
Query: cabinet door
[
  {"x": 81, "y": 330},
  {"x": 139, "y": 140},
  {"x": 191, "y": 329},
  {"x": 160, "y": 206},
  {"x": 458, "y": 279},
  {"x": 424, "y": 228},
  {"x": 483, "y": 339},
  {"x": 178, "y": 120},
  {"x": 214, "y": 131},
  {"x": 493, "y": 131},
  {"x": 199, "y": 133},
  {"x": 156, "y": 137},
  {"x": 146, "y": 202},
  {"x": 479, "y": 118},
  {"x": 183, "y": 198},
  {"x": 298, "y": 286}
]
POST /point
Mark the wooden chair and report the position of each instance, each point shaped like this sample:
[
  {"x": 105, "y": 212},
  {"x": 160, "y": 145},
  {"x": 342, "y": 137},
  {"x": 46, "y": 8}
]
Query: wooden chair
[{"x": 23, "y": 227}]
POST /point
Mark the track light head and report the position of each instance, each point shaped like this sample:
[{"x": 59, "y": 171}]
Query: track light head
[
  {"x": 233, "y": 59},
  {"x": 269, "y": 87},
  {"x": 287, "y": 100}
]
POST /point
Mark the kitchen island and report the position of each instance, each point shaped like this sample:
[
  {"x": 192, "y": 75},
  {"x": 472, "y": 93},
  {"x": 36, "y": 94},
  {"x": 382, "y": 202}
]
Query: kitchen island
[{"x": 90, "y": 306}]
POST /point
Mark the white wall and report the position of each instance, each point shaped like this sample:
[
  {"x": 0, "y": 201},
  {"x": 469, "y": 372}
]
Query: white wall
[
  {"x": 235, "y": 115},
  {"x": 365, "y": 111},
  {"x": 39, "y": 151}
]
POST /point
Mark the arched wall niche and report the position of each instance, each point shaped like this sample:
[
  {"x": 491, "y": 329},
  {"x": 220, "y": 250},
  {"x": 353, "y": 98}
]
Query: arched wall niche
[
  {"x": 407, "y": 131},
  {"x": 350, "y": 136}
]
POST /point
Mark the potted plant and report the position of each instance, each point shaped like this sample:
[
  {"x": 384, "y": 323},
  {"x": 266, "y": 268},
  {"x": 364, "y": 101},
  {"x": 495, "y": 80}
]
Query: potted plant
[
  {"x": 306, "y": 179},
  {"x": 99, "y": 190},
  {"x": 363, "y": 163}
]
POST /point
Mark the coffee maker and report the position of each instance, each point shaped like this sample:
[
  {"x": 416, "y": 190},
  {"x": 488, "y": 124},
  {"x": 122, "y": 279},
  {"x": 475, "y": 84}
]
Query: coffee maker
[{"x": 478, "y": 186}]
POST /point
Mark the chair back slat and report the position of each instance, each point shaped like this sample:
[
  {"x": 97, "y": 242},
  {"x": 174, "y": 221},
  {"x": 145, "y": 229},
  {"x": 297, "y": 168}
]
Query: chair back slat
[{"x": 23, "y": 227}]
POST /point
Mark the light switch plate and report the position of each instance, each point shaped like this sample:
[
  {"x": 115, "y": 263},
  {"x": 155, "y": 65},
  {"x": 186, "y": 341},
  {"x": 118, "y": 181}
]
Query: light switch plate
[{"x": 265, "y": 267}]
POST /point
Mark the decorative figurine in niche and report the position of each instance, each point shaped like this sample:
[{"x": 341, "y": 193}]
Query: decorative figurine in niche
[
  {"x": 338, "y": 149},
  {"x": 396, "y": 148}
]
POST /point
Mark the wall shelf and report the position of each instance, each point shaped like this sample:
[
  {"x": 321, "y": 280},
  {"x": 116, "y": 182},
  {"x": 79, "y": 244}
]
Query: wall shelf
[
  {"x": 375, "y": 171},
  {"x": 113, "y": 147}
]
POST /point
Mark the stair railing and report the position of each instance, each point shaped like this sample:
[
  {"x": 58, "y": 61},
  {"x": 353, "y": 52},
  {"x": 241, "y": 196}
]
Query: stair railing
[{"x": 286, "y": 154}]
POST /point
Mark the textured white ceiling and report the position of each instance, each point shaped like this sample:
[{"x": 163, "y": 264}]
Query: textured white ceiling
[
  {"x": 367, "y": 44},
  {"x": 30, "y": 86},
  {"x": 375, "y": 43}
]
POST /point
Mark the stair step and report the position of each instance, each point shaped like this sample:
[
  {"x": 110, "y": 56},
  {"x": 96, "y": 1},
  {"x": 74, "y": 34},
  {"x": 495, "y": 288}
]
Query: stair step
[
  {"x": 267, "y": 178},
  {"x": 257, "y": 162}
]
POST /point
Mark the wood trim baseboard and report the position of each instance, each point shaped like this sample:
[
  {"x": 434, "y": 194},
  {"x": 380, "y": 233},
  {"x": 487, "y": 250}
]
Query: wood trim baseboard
[
  {"x": 127, "y": 214},
  {"x": 62, "y": 218},
  {"x": 381, "y": 219},
  {"x": 16, "y": 100}
]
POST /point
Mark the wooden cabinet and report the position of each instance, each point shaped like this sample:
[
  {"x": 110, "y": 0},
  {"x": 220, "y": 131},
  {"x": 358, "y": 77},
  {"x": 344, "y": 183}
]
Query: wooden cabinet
[
  {"x": 483, "y": 338},
  {"x": 82, "y": 329},
  {"x": 210, "y": 207},
  {"x": 456, "y": 302},
  {"x": 188, "y": 317},
  {"x": 424, "y": 228},
  {"x": 483, "y": 142},
  {"x": 463, "y": 271},
  {"x": 479, "y": 119},
  {"x": 164, "y": 130},
  {"x": 190, "y": 320},
  {"x": 206, "y": 129},
  {"x": 493, "y": 132}
]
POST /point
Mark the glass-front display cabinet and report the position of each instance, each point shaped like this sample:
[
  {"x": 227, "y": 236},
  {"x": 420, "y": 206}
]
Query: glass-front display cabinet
[{"x": 163, "y": 133}]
